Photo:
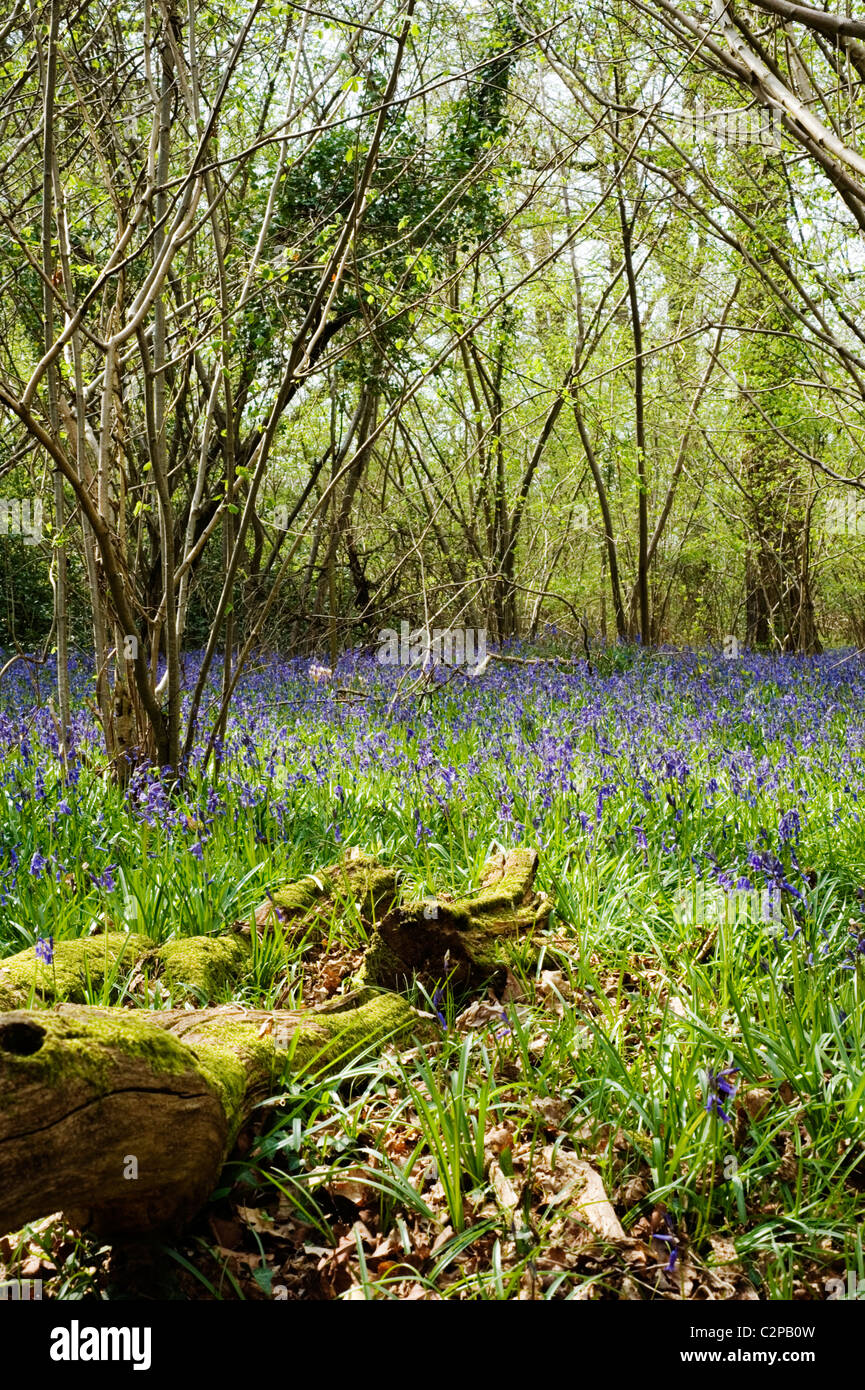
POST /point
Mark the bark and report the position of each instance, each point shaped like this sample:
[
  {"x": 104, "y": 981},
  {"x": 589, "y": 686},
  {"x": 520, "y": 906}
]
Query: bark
[
  {"x": 50, "y": 280},
  {"x": 778, "y": 601},
  {"x": 641, "y": 592}
]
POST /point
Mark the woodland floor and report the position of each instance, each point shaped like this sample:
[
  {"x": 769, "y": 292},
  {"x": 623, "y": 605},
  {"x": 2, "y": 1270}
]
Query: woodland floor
[{"x": 668, "y": 1100}]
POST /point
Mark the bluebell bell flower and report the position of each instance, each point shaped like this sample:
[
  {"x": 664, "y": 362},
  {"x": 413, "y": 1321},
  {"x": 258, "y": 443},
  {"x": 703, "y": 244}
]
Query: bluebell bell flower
[
  {"x": 718, "y": 1085},
  {"x": 437, "y": 1000},
  {"x": 45, "y": 949}
]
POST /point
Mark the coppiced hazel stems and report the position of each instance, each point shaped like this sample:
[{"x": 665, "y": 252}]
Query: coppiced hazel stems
[{"x": 212, "y": 221}]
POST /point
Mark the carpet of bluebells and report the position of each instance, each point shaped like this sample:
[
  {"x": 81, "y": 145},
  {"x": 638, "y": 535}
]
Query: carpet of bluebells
[{"x": 693, "y": 1028}]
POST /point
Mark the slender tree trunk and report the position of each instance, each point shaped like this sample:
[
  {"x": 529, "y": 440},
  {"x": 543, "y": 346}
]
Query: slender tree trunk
[
  {"x": 642, "y": 591},
  {"x": 166, "y": 513},
  {"x": 51, "y": 278}
]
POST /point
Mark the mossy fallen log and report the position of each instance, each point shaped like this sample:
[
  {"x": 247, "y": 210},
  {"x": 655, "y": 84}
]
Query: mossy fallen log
[
  {"x": 192, "y": 967},
  {"x": 123, "y": 1118},
  {"x": 198, "y": 968},
  {"x": 468, "y": 941},
  {"x": 358, "y": 879}
]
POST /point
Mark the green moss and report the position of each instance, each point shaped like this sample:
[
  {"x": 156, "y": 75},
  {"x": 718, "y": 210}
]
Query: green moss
[
  {"x": 204, "y": 966},
  {"x": 91, "y": 958},
  {"x": 195, "y": 967},
  {"x": 295, "y": 899},
  {"x": 510, "y": 890},
  {"x": 235, "y": 1062},
  {"x": 227, "y": 1057},
  {"x": 473, "y": 936},
  {"x": 380, "y": 963},
  {"x": 329, "y": 1040},
  {"x": 371, "y": 885},
  {"x": 83, "y": 1051}
]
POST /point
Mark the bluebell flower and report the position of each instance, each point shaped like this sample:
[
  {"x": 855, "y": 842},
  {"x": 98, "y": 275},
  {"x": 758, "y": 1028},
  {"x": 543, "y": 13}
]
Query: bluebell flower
[
  {"x": 674, "y": 1251},
  {"x": 437, "y": 1000},
  {"x": 789, "y": 827},
  {"x": 718, "y": 1085},
  {"x": 45, "y": 949}
]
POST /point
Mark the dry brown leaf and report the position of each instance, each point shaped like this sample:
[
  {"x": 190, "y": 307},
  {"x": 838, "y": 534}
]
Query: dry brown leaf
[
  {"x": 513, "y": 991},
  {"x": 756, "y": 1101},
  {"x": 442, "y": 1239},
  {"x": 239, "y": 1257},
  {"x": 479, "y": 1015},
  {"x": 552, "y": 982},
  {"x": 581, "y": 1181},
  {"x": 723, "y": 1251},
  {"x": 256, "y": 1220},
  {"x": 390, "y": 1246},
  {"x": 351, "y": 1185},
  {"x": 789, "y": 1165},
  {"x": 226, "y": 1233},
  {"x": 552, "y": 1112},
  {"x": 634, "y": 1191},
  {"x": 506, "y": 1193},
  {"x": 496, "y": 1140}
]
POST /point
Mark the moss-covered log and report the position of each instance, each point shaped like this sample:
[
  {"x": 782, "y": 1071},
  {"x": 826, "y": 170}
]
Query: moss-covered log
[
  {"x": 122, "y": 1118},
  {"x": 358, "y": 879},
  {"x": 190, "y": 967},
  {"x": 468, "y": 941},
  {"x": 199, "y": 968}
]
